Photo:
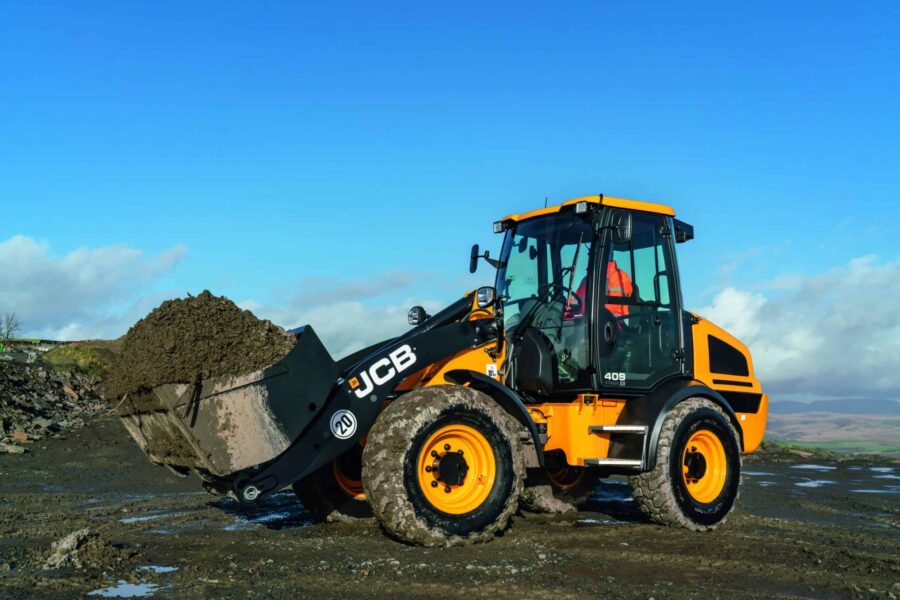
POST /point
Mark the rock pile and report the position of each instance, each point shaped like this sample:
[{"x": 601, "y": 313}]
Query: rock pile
[{"x": 36, "y": 402}]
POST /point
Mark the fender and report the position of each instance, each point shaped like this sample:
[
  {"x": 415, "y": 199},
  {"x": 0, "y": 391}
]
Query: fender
[
  {"x": 652, "y": 410},
  {"x": 506, "y": 398}
]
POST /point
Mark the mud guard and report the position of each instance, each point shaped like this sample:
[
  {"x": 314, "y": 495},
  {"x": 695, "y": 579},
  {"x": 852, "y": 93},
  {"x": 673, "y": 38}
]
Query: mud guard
[
  {"x": 506, "y": 398},
  {"x": 652, "y": 410},
  {"x": 356, "y": 400}
]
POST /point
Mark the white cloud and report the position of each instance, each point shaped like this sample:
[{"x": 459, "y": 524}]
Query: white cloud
[
  {"x": 86, "y": 293},
  {"x": 347, "y": 314},
  {"x": 345, "y": 327},
  {"x": 836, "y": 334}
]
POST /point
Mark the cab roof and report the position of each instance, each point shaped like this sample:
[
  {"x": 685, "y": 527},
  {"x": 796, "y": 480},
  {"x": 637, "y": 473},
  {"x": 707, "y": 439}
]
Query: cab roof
[{"x": 650, "y": 207}]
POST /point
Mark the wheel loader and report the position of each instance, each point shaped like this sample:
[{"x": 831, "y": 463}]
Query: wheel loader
[{"x": 579, "y": 363}]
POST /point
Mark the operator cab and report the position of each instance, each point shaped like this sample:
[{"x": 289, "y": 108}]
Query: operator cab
[{"x": 590, "y": 301}]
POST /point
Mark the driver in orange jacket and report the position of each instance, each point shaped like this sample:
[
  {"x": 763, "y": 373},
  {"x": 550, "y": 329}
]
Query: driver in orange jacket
[{"x": 618, "y": 285}]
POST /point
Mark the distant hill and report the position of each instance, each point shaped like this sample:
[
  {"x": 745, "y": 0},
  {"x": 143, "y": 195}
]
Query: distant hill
[{"x": 858, "y": 406}]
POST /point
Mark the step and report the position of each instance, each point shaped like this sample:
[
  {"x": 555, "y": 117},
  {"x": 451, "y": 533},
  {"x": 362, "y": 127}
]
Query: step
[
  {"x": 613, "y": 462},
  {"x": 638, "y": 429}
]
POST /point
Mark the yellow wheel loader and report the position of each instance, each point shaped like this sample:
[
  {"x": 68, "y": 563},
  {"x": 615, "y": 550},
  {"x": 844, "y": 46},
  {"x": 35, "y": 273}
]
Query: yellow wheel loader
[{"x": 579, "y": 363}]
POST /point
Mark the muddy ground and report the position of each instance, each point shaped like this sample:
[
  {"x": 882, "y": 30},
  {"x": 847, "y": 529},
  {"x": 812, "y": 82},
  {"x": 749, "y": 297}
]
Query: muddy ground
[{"x": 805, "y": 527}]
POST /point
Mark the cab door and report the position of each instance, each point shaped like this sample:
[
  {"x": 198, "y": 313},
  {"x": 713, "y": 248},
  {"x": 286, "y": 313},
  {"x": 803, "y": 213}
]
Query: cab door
[{"x": 638, "y": 337}]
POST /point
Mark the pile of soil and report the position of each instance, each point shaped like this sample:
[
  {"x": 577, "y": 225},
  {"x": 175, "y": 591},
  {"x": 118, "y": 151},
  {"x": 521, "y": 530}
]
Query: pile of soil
[{"x": 195, "y": 337}]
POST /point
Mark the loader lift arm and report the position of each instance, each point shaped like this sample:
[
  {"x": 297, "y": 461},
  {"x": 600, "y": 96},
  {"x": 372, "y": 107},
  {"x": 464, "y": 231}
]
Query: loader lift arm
[{"x": 358, "y": 395}]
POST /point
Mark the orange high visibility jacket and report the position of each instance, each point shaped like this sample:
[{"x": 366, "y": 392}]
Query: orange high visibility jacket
[{"x": 618, "y": 285}]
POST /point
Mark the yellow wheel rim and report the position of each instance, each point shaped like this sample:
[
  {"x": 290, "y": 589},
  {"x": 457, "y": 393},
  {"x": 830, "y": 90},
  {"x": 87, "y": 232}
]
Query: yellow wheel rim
[
  {"x": 704, "y": 466},
  {"x": 350, "y": 486},
  {"x": 567, "y": 477},
  {"x": 456, "y": 469}
]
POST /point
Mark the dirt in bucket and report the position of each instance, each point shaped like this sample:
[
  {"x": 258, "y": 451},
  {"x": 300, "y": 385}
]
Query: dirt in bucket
[{"x": 198, "y": 336}]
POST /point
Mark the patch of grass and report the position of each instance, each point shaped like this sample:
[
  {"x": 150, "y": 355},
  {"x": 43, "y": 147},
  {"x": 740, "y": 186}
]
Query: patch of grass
[
  {"x": 831, "y": 449},
  {"x": 866, "y": 446},
  {"x": 93, "y": 358}
]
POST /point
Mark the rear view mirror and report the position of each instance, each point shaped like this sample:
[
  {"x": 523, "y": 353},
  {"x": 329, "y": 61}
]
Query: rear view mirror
[
  {"x": 621, "y": 227},
  {"x": 473, "y": 259}
]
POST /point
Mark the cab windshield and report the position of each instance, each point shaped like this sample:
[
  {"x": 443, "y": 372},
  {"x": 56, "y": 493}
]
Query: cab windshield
[{"x": 543, "y": 282}]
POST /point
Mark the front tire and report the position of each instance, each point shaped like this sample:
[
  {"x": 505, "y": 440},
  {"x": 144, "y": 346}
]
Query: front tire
[
  {"x": 698, "y": 469},
  {"x": 444, "y": 466}
]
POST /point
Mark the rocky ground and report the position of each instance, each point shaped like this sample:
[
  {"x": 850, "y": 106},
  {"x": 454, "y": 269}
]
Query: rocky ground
[
  {"x": 84, "y": 512},
  {"x": 37, "y": 401}
]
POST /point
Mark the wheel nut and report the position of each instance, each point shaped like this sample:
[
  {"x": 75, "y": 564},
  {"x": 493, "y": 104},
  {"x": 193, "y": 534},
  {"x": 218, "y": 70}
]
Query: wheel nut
[
  {"x": 434, "y": 484},
  {"x": 434, "y": 453},
  {"x": 447, "y": 489},
  {"x": 428, "y": 468},
  {"x": 446, "y": 446},
  {"x": 460, "y": 452}
]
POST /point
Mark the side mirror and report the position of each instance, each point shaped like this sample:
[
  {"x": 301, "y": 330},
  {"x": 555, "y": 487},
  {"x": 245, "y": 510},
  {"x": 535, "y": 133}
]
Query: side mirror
[
  {"x": 416, "y": 315},
  {"x": 621, "y": 227},
  {"x": 485, "y": 296},
  {"x": 473, "y": 259}
]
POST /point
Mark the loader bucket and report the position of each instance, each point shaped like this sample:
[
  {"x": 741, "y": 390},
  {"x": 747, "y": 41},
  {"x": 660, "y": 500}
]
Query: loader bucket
[{"x": 226, "y": 424}]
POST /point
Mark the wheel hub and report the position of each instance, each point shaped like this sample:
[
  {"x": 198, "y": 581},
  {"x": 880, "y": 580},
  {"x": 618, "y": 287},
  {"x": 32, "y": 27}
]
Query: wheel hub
[
  {"x": 451, "y": 468},
  {"x": 695, "y": 464}
]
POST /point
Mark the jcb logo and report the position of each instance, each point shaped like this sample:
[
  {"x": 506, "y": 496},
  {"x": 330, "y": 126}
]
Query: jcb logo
[{"x": 382, "y": 371}]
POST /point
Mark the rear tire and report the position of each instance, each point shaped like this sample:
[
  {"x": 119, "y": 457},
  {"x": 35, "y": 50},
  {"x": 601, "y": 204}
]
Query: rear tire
[
  {"x": 698, "y": 469},
  {"x": 422, "y": 488},
  {"x": 573, "y": 485},
  {"x": 334, "y": 493}
]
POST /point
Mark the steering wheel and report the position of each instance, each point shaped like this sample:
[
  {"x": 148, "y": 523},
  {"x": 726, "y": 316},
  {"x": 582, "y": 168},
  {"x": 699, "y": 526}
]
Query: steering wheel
[{"x": 574, "y": 303}]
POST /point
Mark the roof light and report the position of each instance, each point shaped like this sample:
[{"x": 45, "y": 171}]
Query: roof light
[
  {"x": 498, "y": 227},
  {"x": 581, "y": 208}
]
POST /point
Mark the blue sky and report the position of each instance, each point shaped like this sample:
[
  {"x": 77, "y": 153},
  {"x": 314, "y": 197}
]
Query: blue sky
[{"x": 266, "y": 149}]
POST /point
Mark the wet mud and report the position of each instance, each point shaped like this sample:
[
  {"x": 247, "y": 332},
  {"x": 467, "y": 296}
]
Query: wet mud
[
  {"x": 198, "y": 336},
  {"x": 805, "y": 527}
]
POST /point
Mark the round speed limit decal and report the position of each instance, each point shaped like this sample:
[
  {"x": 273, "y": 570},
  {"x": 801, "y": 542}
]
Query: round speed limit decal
[{"x": 343, "y": 424}]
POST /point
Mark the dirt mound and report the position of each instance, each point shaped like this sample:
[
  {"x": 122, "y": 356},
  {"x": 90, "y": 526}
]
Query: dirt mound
[
  {"x": 85, "y": 549},
  {"x": 198, "y": 336}
]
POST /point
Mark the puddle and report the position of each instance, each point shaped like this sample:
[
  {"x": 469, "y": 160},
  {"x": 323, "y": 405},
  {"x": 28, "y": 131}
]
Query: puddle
[
  {"x": 758, "y": 473},
  {"x": 274, "y": 518},
  {"x": 157, "y": 569},
  {"x": 123, "y": 589},
  {"x": 151, "y": 515},
  {"x": 882, "y": 469},
  {"x": 766, "y": 483},
  {"x": 612, "y": 491},
  {"x": 278, "y": 511},
  {"x": 588, "y": 522},
  {"x": 811, "y": 467},
  {"x": 883, "y": 491},
  {"x": 814, "y": 483},
  {"x": 891, "y": 476}
]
